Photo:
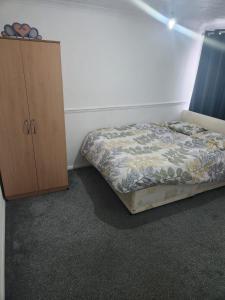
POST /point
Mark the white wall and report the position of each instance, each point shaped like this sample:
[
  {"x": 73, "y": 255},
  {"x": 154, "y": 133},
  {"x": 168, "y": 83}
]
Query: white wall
[
  {"x": 2, "y": 246},
  {"x": 111, "y": 59}
]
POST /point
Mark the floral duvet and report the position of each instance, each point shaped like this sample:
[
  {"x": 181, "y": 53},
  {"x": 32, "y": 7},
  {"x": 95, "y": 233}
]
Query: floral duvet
[{"x": 138, "y": 156}]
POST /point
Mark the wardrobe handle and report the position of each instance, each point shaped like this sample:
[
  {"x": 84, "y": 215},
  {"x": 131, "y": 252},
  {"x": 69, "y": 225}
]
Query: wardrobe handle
[
  {"x": 33, "y": 126},
  {"x": 26, "y": 127}
]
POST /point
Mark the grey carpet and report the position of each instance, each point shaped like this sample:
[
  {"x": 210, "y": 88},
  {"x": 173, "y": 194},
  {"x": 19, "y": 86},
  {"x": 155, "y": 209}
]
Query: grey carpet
[{"x": 83, "y": 244}]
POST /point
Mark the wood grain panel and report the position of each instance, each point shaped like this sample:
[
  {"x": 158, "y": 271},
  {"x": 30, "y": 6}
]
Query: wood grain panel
[
  {"x": 16, "y": 148},
  {"x": 45, "y": 95}
]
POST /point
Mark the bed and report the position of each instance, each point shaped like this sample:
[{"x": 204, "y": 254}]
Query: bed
[{"x": 152, "y": 164}]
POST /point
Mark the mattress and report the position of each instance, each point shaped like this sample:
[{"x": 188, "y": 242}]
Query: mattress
[{"x": 140, "y": 156}]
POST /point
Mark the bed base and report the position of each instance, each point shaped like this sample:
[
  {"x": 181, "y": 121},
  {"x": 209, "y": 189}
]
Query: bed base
[{"x": 158, "y": 195}]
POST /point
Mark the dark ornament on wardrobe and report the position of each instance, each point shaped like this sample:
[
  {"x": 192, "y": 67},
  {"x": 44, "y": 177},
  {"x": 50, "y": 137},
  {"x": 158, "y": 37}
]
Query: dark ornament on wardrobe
[{"x": 17, "y": 30}]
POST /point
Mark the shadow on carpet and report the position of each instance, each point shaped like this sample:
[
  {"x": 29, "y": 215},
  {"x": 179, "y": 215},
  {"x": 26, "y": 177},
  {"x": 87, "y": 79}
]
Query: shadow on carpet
[{"x": 111, "y": 210}]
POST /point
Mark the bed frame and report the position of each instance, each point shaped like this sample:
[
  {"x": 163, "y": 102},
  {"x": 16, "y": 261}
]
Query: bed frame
[{"x": 162, "y": 194}]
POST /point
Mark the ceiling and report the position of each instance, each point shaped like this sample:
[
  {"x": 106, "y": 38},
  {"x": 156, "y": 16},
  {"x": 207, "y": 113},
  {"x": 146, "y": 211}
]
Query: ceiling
[{"x": 191, "y": 13}]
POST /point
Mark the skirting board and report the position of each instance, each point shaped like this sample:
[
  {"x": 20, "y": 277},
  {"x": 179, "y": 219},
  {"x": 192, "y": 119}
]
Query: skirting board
[
  {"x": 69, "y": 168},
  {"x": 2, "y": 247}
]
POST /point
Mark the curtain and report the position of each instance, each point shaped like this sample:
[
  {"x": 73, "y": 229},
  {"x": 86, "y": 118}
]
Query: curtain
[{"x": 208, "y": 96}]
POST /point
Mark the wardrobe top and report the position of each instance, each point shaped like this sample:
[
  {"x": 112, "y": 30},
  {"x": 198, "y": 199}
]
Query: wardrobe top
[{"x": 27, "y": 40}]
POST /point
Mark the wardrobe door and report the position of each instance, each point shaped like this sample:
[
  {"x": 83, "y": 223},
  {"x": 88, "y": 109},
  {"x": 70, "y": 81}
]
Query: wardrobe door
[
  {"x": 42, "y": 67},
  {"x": 17, "y": 162}
]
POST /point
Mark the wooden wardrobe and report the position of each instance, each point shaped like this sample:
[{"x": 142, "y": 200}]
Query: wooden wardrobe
[{"x": 32, "y": 129}]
